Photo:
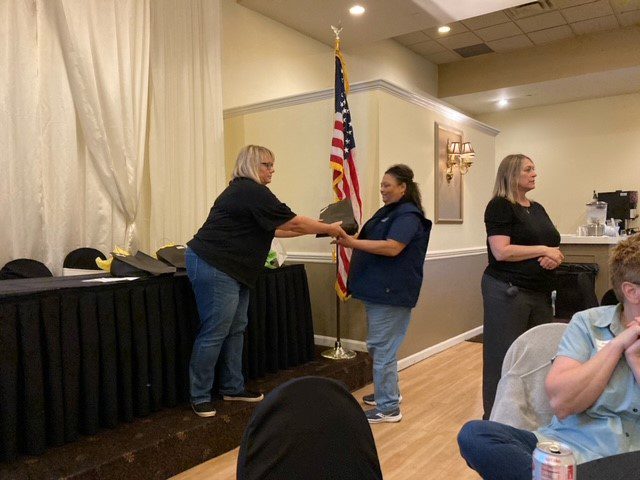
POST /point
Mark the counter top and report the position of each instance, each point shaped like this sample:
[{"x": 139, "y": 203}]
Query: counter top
[{"x": 603, "y": 240}]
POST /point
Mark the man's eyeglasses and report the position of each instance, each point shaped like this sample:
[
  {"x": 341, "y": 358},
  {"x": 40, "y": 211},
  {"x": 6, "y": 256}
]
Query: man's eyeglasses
[{"x": 268, "y": 166}]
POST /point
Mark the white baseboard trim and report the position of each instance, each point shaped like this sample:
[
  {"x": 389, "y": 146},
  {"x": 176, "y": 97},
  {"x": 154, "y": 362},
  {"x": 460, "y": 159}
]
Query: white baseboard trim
[
  {"x": 428, "y": 352},
  {"x": 327, "y": 257},
  {"x": 357, "y": 345},
  {"x": 360, "y": 346}
]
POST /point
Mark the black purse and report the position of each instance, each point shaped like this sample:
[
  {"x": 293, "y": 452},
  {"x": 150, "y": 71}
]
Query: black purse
[{"x": 340, "y": 211}]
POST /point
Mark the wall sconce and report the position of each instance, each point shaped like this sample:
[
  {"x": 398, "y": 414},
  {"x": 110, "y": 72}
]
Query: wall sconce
[{"x": 459, "y": 154}]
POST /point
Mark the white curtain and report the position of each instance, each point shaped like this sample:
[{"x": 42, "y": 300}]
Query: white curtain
[
  {"x": 105, "y": 46},
  {"x": 76, "y": 132},
  {"x": 186, "y": 155}
]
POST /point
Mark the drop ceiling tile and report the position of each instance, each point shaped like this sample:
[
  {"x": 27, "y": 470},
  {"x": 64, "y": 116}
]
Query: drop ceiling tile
[
  {"x": 629, "y": 18},
  {"x": 595, "y": 25},
  {"x": 511, "y": 43},
  {"x": 625, "y": 5},
  {"x": 540, "y": 22},
  {"x": 601, "y": 8},
  {"x": 497, "y": 32},
  {"x": 443, "y": 57},
  {"x": 487, "y": 20},
  {"x": 571, "y": 3},
  {"x": 551, "y": 34},
  {"x": 460, "y": 40},
  {"x": 411, "y": 38},
  {"x": 456, "y": 28},
  {"x": 428, "y": 47}
]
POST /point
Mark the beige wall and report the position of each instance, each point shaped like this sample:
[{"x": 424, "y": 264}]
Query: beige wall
[
  {"x": 449, "y": 305},
  {"x": 388, "y": 130},
  {"x": 578, "y": 147},
  {"x": 263, "y": 59}
]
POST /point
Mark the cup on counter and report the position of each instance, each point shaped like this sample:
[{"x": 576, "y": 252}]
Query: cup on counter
[{"x": 582, "y": 231}]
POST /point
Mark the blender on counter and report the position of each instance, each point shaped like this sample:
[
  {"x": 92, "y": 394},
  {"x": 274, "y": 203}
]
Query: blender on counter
[{"x": 596, "y": 217}]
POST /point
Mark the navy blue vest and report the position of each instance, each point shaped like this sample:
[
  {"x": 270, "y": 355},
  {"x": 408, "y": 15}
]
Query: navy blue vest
[{"x": 390, "y": 280}]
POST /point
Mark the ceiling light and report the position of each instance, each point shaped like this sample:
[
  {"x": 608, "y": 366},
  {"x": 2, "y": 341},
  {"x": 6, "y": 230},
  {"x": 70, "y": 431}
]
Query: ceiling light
[
  {"x": 356, "y": 10},
  {"x": 503, "y": 102},
  {"x": 444, "y": 29}
]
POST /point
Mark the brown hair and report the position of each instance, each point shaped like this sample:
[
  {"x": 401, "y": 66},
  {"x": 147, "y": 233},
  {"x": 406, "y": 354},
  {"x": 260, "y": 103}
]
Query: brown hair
[{"x": 624, "y": 264}]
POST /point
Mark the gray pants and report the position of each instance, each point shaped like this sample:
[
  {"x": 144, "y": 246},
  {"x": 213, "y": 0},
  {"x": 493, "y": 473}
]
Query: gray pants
[{"x": 507, "y": 315}]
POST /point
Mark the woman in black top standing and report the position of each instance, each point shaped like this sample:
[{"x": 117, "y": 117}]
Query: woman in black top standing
[
  {"x": 522, "y": 245},
  {"x": 223, "y": 260}
]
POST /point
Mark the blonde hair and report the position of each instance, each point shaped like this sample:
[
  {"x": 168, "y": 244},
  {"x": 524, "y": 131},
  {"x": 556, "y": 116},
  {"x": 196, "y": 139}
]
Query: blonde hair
[
  {"x": 507, "y": 177},
  {"x": 624, "y": 264},
  {"x": 249, "y": 160}
]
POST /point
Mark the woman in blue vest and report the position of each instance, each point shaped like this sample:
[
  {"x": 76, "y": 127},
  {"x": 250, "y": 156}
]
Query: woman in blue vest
[{"x": 386, "y": 274}]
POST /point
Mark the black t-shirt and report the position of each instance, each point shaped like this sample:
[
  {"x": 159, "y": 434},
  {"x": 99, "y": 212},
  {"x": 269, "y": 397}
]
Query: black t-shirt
[
  {"x": 237, "y": 235},
  {"x": 524, "y": 226}
]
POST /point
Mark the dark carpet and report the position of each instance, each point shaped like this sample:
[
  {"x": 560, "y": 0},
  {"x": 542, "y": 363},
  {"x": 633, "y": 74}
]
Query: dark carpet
[{"x": 171, "y": 440}]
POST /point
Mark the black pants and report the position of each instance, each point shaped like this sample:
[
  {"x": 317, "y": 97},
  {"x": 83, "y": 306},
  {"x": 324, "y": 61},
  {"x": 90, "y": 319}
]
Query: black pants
[{"x": 506, "y": 317}]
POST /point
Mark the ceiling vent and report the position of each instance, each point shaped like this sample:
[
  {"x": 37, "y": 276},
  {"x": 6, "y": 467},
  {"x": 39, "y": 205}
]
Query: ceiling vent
[
  {"x": 473, "y": 50},
  {"x": 530, "y": 9}
]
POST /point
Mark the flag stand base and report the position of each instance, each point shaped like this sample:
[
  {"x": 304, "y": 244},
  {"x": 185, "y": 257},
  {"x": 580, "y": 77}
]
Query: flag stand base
[{"x": 338, "y": 353}]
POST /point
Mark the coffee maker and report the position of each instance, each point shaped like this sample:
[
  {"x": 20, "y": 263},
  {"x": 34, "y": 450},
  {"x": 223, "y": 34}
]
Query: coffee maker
[{"x": 621, "y": 205}]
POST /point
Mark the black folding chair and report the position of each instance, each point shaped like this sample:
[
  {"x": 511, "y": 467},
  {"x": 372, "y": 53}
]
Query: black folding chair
[
  {"x": 311, "y": 428},
  {"x": 83, "y": 258},
  {"x": 24, "y": 268}
]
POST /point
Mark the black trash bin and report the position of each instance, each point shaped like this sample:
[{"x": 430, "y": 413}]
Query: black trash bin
[{"x": 576, "y": 288}]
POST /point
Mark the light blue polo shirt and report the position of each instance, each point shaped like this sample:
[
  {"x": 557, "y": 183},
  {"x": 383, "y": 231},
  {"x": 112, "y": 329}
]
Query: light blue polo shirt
[{"x": 612, "y": 424}]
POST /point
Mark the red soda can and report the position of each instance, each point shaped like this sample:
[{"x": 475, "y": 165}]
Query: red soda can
[{"x": 553, "y": 461}]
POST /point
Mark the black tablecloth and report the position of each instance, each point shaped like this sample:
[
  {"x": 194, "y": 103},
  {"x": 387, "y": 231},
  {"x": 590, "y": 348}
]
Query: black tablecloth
[
  {"x": 625, "y": 466},
  {"x": 77, "y": 356}
]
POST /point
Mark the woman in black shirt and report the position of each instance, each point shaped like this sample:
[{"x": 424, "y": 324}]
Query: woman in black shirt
[
  {"x": 223, "y": 260},
  {"x": 522, "y": 245}
]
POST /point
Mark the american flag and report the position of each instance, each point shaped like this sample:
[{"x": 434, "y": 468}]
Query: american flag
[{"x": 345, "y": 175}]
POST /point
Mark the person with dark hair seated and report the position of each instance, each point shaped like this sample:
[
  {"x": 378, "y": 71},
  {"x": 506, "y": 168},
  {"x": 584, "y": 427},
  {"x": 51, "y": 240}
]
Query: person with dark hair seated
[{"x": 592, "y": 386}]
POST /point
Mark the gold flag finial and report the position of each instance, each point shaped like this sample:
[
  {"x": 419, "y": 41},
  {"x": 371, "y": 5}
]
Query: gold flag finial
[{"x": 336, "y": 32}]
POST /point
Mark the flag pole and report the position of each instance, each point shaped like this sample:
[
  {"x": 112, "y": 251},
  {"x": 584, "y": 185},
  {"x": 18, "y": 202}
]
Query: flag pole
[{"x": 338, "y": 352}]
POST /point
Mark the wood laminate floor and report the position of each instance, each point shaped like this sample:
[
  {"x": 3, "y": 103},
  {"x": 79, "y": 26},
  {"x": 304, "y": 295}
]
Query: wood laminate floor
[{"x": 439, "y": 395}]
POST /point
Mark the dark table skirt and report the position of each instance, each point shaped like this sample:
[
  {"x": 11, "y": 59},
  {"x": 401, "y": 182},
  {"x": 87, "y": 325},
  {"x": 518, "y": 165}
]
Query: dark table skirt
[{"x": 82, "y": 357}]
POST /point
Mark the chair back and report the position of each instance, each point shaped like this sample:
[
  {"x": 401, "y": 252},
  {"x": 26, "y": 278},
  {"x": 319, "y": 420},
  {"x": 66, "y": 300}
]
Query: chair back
[
  {"x": 311, "y": 428},
  {"x": 521, "y": 398},
  {"x": 609, "y": 298},
  {"x": 83, "y": 258},
  {"x": 24, "y": 268}
]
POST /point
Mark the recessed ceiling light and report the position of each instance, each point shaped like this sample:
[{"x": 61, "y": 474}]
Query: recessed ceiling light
[
  {"x": 356, "y": 10},
  {"x": 444, "y": 29},
  {"x": 503, "y": 102}
]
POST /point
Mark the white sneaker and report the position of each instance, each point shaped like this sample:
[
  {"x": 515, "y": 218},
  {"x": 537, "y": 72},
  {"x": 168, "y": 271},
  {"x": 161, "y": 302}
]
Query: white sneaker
[{"x": 376, "y": 416}]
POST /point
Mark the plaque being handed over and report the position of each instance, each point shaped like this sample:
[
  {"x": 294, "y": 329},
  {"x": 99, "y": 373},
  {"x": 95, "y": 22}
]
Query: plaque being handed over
[{"x": 340, "y": 211}]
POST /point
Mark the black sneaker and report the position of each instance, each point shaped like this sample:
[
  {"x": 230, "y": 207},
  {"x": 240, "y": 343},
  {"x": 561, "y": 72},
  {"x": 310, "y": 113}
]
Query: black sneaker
[
  {"x": 370, "y": 400},
  {"x": 204, "y": 409},
  {"x": 243, "y": 396}
]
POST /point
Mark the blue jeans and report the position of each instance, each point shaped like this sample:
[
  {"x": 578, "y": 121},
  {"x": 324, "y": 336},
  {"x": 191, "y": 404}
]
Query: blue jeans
[
  {"x": 497, "y": 451},
  {"x": 387, "y": 328},
  {"x": 222, "y": 305}
]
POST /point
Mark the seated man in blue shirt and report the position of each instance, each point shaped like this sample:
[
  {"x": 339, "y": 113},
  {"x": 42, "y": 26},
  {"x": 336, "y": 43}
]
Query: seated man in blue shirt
[{"x": 592, "y": 386}]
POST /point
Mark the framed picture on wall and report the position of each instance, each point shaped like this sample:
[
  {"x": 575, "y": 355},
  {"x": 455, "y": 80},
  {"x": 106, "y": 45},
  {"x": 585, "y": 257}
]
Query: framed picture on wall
[{"x": 448, "y": 181}]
